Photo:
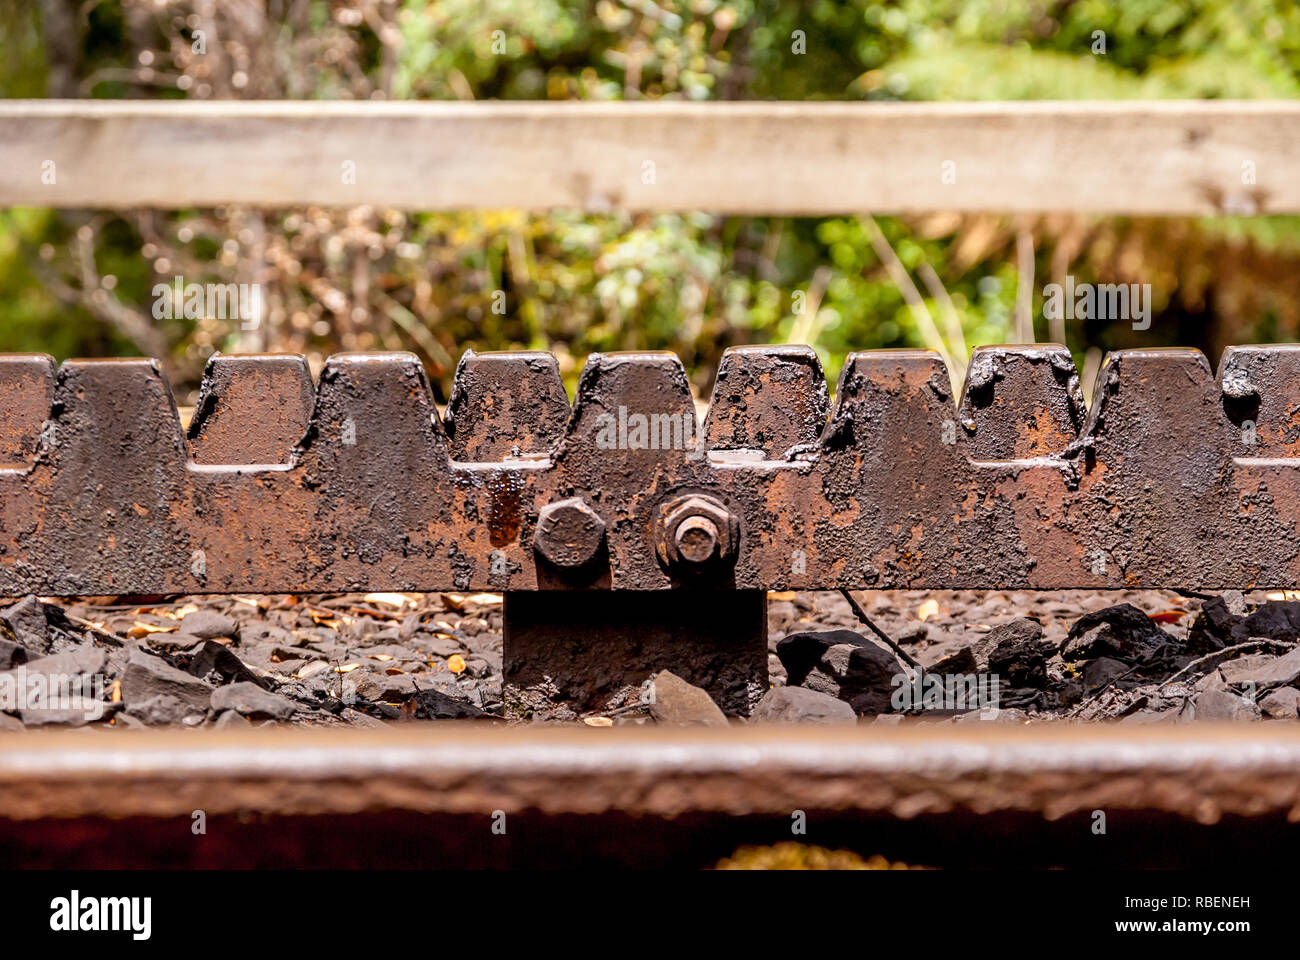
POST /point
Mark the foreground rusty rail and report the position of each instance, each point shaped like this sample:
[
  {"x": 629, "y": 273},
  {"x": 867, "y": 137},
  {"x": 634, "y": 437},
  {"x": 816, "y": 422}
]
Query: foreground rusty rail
[{"x": 1200, "y": 773}]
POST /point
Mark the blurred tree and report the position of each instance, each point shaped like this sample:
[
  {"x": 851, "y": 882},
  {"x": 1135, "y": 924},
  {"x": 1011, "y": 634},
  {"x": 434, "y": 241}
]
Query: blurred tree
[{"x": 437, "y": 283}]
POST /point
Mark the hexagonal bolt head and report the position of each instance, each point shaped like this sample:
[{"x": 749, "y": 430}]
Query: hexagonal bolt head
[
  {"x": 695, "y": 531},
  {"x": 569, "y": 533}
]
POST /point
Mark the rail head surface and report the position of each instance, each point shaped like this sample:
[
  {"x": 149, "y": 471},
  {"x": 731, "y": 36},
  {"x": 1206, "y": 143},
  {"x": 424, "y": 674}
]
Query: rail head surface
[
  {"x": 1201, "y": 772},
  {"x": 752, "y": 158}
]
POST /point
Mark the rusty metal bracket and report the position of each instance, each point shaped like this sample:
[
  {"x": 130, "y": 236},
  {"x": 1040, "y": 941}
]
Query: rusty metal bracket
[{"x": 1171, "y": 480}]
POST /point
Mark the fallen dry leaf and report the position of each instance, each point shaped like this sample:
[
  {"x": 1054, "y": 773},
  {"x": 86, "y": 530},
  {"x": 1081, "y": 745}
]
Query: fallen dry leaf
[
  {"x": 399, "y": 600},
  {"x": 1168, "y": 616},
  {"x": 453, "y": 601},
  {"x": 927, "y": 610},
  {"x": 379, "y": 656},
  {"x": 484, "y": 599},
  {"x": 394, "y": 671},
  {"x": 456, "y": 664},
  {"x": 346, "y": 668},
  {"x": 328, "y": 618},
  {"x": 598, "y": 721},
  {"x": 780, "y": 594},
  {"x": 142, "y": 629},
  {"x": 176, "y": 614},
  {"x": 375, "y": 613}
]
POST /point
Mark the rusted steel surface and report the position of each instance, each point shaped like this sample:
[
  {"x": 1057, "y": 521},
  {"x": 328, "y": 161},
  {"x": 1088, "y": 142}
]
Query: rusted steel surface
[
  {"x": 1201, "y": 773},
  {"x": 251, "y": 409},
  {"x": 505, "y": 406},
  {"x": 592, "y": 651},
  {"x": 1172, "y": 479},
  {"x": 26, "y": 390}
]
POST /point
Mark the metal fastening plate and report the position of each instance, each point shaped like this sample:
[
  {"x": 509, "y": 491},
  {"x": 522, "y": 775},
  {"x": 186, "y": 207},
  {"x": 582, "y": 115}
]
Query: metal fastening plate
[{"x": 1171, "y": 479}]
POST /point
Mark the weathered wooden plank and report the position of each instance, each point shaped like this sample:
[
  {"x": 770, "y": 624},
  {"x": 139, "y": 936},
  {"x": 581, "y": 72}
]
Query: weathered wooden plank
[{"x": 1156, "y": 158}]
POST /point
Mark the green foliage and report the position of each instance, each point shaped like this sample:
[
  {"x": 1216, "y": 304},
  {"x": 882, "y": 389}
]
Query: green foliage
[
  {"x": 23, "y": 66},
  {"x": 693, "y": 284},
  {"x": 32, "y": 318}
]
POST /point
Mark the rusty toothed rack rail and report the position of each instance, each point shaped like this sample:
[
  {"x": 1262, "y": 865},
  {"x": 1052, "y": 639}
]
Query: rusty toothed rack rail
[{"x": 623, "y": 542}]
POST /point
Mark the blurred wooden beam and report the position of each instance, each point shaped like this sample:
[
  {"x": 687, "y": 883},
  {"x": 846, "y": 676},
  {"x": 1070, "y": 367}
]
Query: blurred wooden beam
[{"x": 1155, "y": 158}]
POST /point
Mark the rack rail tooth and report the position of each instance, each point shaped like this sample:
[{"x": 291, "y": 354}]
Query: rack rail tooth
[{"x": 251, "y": 409}]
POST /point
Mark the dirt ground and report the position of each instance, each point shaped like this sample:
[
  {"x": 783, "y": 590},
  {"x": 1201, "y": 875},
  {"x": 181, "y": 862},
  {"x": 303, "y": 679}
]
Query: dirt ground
[{"x": 385, "y": 657}]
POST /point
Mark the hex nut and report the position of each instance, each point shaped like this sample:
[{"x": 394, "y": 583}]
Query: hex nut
[
  {"x": 696, "y": 539},
  {"x": 569, "y": 533},
  {"x": 695, "y": 531}
]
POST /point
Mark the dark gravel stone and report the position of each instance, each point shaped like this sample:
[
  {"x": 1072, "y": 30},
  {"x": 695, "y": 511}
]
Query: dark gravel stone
[
  {"x": 294, "y": 653},
  {"x": 439, "y": 646},
  {"x": 1276, "y": 620},
  {"x": 438, "y": 705},
  {"x": 1218, "y": 625},
  {"x": 180, "y": 644},
  {"x": 87, "y": 660},
  {"x": 1264, "y": 672},
  {"x": 675, "y": 702},
  {"x": 252, "y": 701},
  {"x": 801, "y": 705},
  {"x": 1097, "y": 673},
  {"x": 1214, "y": 704},
  {"x": 1235, "y": 601},
  {"x": 266, "y": 633},
  {"x": 77, "y": 717},
  {"x": 800, "y": 652},
  {"x": 394, "y": 688},
  {"x": 1017, "y": 654},
  {"x": 843, "y": 664},
  {"x": 359, "y": 719},
  {"x": 162, "y": 709},
  {"x": 231, "y": 718},
  {"x": 1122, "y": 632},
  {"x": 963, "y": 661},
  {"x": 12, "y": 654},
  {"x": 912, "y": 634},
  {"x": 1281, "y": 704},
  {"x": 1212, "y": 628},
  {"x": 147, "y": 676},
  {"x": 208, "y": 625},
  {"x": 41, "y": 628},
  {"x": 1245, "y": 668},
  {"x": 217, "y": 665},
  {"x": 26, "y": 620}
]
